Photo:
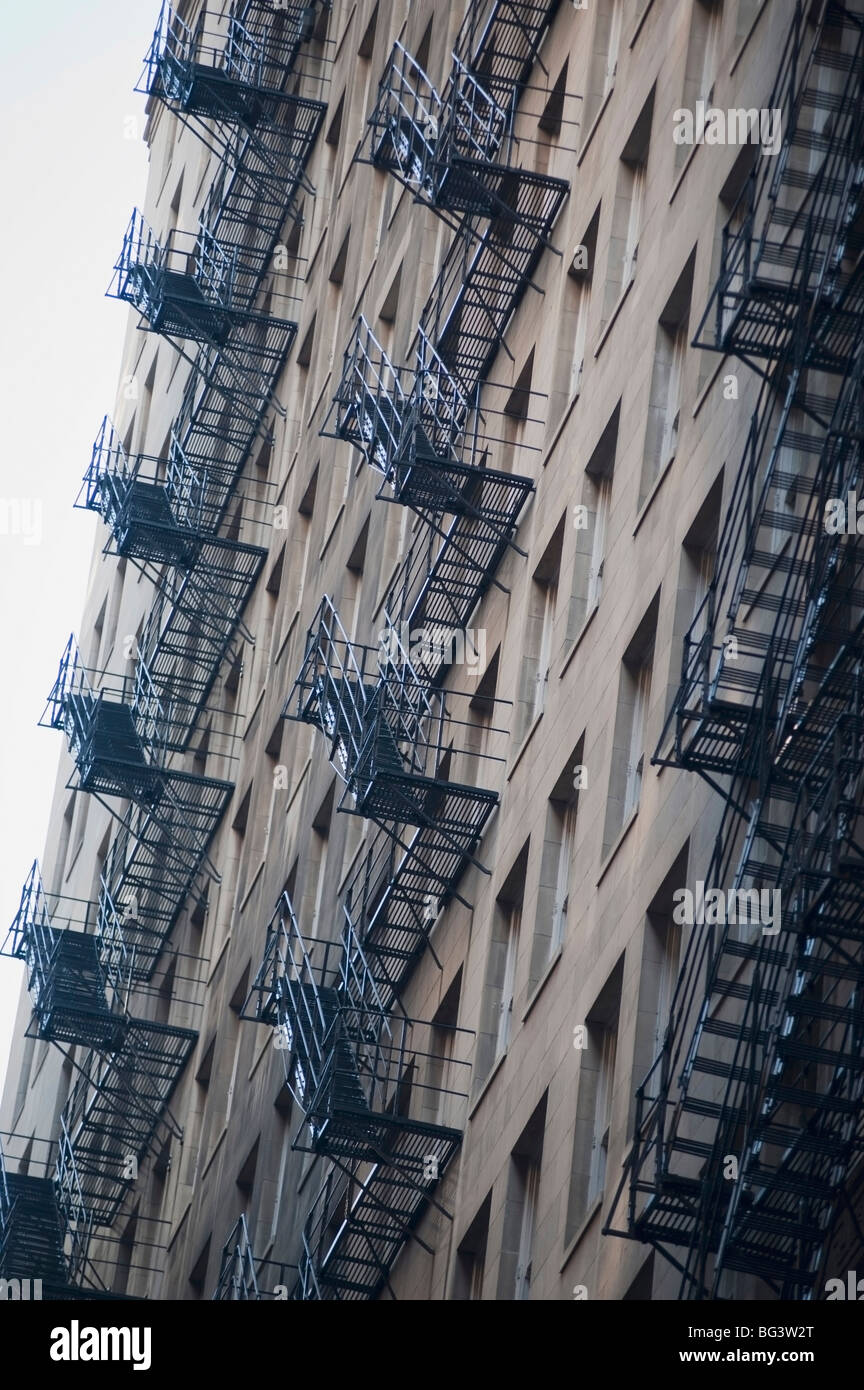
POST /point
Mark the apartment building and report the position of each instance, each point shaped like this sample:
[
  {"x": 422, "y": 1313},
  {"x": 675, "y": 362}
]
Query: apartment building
[{"x": 460, "y": 596}]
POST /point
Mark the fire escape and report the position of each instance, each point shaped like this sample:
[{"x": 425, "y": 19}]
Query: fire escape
[
  {"x": 383, "y": 1095},
  {"x": 241, "y": 83},
  {"x": 762, "y": 1059}
]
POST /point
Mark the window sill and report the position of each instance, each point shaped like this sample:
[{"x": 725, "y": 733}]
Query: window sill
[
  {"x": 250, "y": 721},
  {"x": 747, "y": 37},
  {"x": 541, "y": 984},
  {"x": 577, "y": 641},
  {"x": 524, "y": 744},
  {"x": 679, "y": 177},
  {"x": 308, "y": 1171},
  {"x": 287, "y": 638},
  {"x": 622, "y": 836},
  {"x": 568, "y": 411},
  {"x": 251, "y": 889},
  {"x": 575, "y": 1239},
  {"x": 363, "y": 288},
  {"x": 613, "y": 316},
  {"x": 332, "y": 531},
  {"x": 594, "y": 124},
  {"x": 655, "y": 488},
  {"x": 219, "y": 959},
  {"x": 261, "y": 1054},
  {"x": 181, "y": 1221},
  {"x": 497, "y": 1065},
  {"x": 214, "y": 1152},
  {"x": 319, "y": 399},
  {"x": 640, "y": 23},
  {"x": 706, "y": 389},
  {"x": 298, "y": 784},
  {"x": 73, "y": 861}
]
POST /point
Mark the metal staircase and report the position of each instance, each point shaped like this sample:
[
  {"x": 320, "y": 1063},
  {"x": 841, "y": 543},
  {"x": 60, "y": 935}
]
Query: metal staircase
[{"x": 749, "y": 1132}]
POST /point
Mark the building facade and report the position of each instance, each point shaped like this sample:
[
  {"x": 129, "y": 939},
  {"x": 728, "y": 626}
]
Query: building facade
[{"x": 461, "y": 593}]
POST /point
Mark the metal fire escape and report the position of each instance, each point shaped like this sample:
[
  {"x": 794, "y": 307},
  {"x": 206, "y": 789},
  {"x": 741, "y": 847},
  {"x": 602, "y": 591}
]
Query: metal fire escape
[
  {"x": 379, "y": 1092},
  {"x": 382, "y": 1095},
  {"x": 44, "y": 1228},
  {"x": 183, "y": 519},
  {"x": 84, "y": 982},
  {"x": 762, "y": 1060},
  {"x": 245, "y": 1277}
]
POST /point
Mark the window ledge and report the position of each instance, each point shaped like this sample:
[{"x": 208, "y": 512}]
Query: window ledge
[
  {"x": 260, "y": 1055},
  {"x": 213, "y": 1152},
  {"x": 181, "y": 1221},
  {"x": 594, "y": 124},
  {"x": 219, "y": 959},
  {"x": 73, "y": 861},
  {"x": 679, "y": 178},
  {"x": 541, "y": 983},
  {"x": 307, "y": 1172},
  {"x": 250, "y": 719},
  {"x": 622, "y": 836},
  {"x": 655, "y": 488},
  {"x": 577, "y": 641},
  {"x": 332, "y": 531},
  {"x": 559, "y": 430},
  {"x": 747, "y": 37},
  {"x": 498, "y": 1064},
  {"x": 250, "y": 890},
  {"x": 287, "y": 638},
  {"x": 298, "y": 784},
  {"x": 706, "y": 389},
  {"x": 575, "y": 1239},
  {"x": 524, "y": 744},
  {"x": 637, "y": 30},
  {"x": 613, "y": 316}
]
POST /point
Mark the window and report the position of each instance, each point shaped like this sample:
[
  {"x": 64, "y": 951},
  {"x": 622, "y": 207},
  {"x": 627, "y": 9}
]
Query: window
[
  {"x": 701, "y": 64},
  {"x": 605, "y": 52},
  {"x": 470, "y": 1268},
  {"x": 591, "y": 526},
  {"x": 573, "y": 314},
  {"x": 582, "y": 298},
  {"x": 696, "y": 571},
  {"x": 556, "y": 864},
  {"x": 352, "y": 588},
  {"x": 664, "y": 405},
  {"x": 629, "y": 209},
  {"x": 512, "y": 924},
  {"x": 537, "y": 644},
  {"x": 635, "y": 192},
  {"x": 531, "y": 1182},
  {"x": 592, "y": 1138},
  {"x": 316, "y": 883},
  {"x": 607, "y": 1046},
  {"x": 518, "y": 1263},
  {"x": 636, "y": 754},
  {"x": 499, "y": 989},
  {"x": 731, "y": 215},
  {"x": 602, "y": 501},
  {"x": 549, "y": 596},
  {"x": 630, "y": 733}
]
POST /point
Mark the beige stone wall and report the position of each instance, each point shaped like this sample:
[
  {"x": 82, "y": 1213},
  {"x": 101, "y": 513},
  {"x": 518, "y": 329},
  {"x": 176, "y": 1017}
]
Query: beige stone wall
[{"x": 614, "y": 876}]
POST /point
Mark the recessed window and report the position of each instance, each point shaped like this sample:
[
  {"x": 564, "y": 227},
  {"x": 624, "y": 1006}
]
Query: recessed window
[
  {"x": 596, "y": 1093},
  {"x": 663, "y": 429},
  {"x": 629, "y": 749}
]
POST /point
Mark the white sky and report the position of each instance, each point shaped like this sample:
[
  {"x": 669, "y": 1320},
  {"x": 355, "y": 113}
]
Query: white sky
[{"x": 70, "y": 179}]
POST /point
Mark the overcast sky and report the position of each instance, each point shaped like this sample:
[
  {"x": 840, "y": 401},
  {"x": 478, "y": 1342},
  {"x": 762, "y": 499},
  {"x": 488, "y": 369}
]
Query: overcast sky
[{"x": 75, "y": 165}]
